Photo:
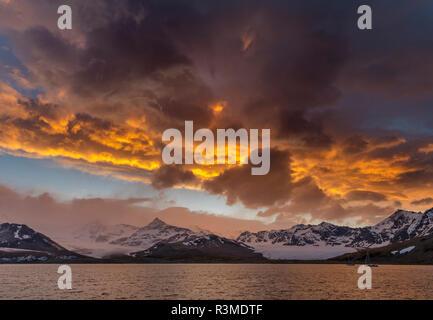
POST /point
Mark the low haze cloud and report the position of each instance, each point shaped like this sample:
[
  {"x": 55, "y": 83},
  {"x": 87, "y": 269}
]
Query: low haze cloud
[{"x": 59, "y": 219}]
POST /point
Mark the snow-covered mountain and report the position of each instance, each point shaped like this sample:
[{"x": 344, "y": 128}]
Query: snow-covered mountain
[
  {"x": 20, "y": 236},
  {"x": 98, "y": 240},
  {"x": 163, "y": 242},
  {"x": 404, "y": 225},
  {"x": 155, "y": 232},
  {"x": 21, "y": 244},
  {"x": 327, "y": 240},
  {"x": 200, "y": 248}
]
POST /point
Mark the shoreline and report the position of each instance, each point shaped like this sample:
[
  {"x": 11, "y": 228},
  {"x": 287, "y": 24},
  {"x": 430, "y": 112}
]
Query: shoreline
[{"x": 304, "y": 262}]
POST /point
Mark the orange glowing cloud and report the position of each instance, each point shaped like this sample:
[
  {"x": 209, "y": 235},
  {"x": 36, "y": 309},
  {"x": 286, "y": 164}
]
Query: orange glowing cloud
[{"x": 101, "y": 106}]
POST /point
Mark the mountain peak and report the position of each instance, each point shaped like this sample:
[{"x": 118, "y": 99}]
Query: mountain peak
[
  {"x": 401, "y": 212},
  {"x": 326, "y": 224},
  {"x": 156, "y": 223},
  {"x": 429, "y": 212}
]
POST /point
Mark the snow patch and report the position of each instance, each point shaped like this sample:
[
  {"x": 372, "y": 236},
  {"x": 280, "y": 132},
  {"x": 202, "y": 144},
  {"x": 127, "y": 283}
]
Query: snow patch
[
  {"x": 17, "y": 233},
  {"x": 408, "y": 249},
  {"x": 17, "y": 250},
  {"x": 279, "y": 252}
]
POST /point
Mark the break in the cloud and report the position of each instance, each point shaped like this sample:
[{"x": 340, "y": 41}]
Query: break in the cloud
[{"x": 349, "y": 111}]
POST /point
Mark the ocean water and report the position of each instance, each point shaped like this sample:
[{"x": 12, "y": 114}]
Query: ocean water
[{"x": 215, "y": 281}]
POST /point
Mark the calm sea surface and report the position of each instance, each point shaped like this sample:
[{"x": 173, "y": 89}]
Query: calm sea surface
[{"x": 215, "y": 281}]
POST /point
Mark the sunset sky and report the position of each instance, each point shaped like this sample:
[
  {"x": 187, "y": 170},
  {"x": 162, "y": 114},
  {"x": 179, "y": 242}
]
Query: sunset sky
[{"x": 82, "y": 111}]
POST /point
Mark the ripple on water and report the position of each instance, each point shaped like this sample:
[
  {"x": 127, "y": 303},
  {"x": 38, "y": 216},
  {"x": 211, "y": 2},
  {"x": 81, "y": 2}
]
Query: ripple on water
[{"x": 209, "y": 281}]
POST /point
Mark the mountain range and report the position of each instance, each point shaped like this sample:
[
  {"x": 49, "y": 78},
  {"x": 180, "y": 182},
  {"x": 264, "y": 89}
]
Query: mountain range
[
  {"x": 159, "y": 241},
  {"x": 326, "y": 240}
]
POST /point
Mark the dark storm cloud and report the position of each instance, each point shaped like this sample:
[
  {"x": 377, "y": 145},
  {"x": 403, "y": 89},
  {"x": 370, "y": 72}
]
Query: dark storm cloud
[
  {"x": 395, "y": 57},
  {"x": 417, "y": 178},
  {"x": 362, "y": 195},
  {"x": 36, "y": 108},
  {"x": 355, "y": 144},
  {"x": 170, "y": 176},
  {"x": 237, "y": 184},
  {"x": 296, "y": 55},
  {"x": 294, "y": 123},
  {"x": 425, "y": 201},
  {"x": 418, "y": 164},
  {"x": 38, "y": 44},
  {"x": 124, "y": 51},
  {"x": 116, "y": 59}
]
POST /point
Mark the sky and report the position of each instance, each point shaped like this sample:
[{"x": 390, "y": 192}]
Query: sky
[{"x": 82, "y": 111}]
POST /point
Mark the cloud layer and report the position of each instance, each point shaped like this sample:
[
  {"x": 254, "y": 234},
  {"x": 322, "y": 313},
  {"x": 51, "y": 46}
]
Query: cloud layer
[{"x": 349, "y": 111}]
